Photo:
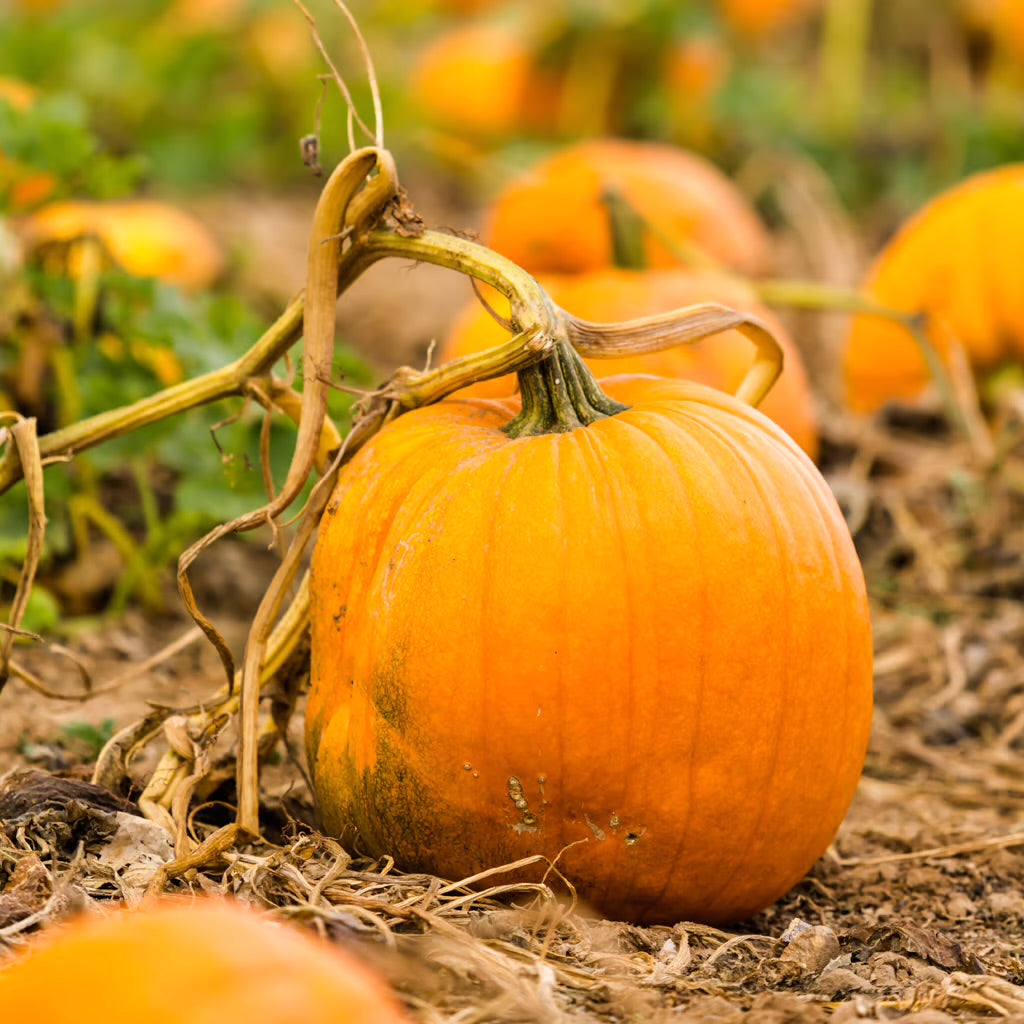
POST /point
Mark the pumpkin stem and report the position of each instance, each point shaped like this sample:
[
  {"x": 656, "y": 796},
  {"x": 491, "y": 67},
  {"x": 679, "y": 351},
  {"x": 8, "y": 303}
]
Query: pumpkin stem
[
  {"x": 559, "y": 394},
  {"x": 627, "y": 228}
]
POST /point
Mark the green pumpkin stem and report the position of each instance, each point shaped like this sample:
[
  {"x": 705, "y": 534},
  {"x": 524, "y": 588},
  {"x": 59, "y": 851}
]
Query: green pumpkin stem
[
  {"x": 559, "y": 394},
  {"x": 628, "y": 229}
]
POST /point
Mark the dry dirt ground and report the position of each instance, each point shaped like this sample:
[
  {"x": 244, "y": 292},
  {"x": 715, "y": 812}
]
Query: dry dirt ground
[{"x": 916, "y": 912}]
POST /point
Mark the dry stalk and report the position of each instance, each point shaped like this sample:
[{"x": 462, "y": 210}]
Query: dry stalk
[
  {"x": 938, "y": 852},
  {"x": 25, "y": 440}
]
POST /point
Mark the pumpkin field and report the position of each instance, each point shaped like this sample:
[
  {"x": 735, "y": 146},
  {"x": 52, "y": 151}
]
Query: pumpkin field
[{"x": 511, "y": 512}]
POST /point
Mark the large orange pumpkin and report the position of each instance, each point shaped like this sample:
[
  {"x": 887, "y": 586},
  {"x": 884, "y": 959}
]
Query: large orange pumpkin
[
  {"x": 720, "y": 361},
  {"x": 555, "y": 218},
  {"x": 146, "y": 237},
  {"x": 957, "y": 262},
  {"x": 178, "y": 963},
  {"x": 639, "y": 646}
]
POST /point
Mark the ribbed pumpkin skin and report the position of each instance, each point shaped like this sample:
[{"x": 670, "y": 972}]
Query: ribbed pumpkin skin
[
  {"x": 650, "y": 634},
  {"x": 610, "y": 296},
  {"x": 943, "y": 263},
  {"x": 212, "y": 962},
  {"x": 553, "y": 219}
]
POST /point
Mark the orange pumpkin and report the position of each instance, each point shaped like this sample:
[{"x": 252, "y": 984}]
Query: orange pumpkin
[
  {"x": 1002, "y": 20},
  {"x": 178, "y": 963},
  {"x": 145, "y": 237},
  {"x": 555, "y": 219},
  {"x": 942, "y": 264},
  {"x": 695, "y": 69},
  {"x": 613, "y": 295},
  {"x": 17, "y": 92},
  {"x": 481, "y": 78},
  {"x": 758, "y": 18},
  {"x": 640, "y": 646}
]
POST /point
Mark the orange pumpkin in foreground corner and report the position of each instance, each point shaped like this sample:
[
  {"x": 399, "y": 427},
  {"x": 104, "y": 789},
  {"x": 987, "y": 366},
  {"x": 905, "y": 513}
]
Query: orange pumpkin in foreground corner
[
  {"x": 720, "y": 361},
  {"x": 554, "y": 219},
  {"x": 210, "y": 962},
  {"x": 640, "y": 646},
  {"x": 957, "y": 262}
]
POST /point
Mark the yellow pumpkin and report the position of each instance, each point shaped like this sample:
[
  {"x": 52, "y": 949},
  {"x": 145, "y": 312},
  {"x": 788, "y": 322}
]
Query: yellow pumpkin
[
  {"x": 145, "y": 237},
  {"x": 957, "y": 263}
]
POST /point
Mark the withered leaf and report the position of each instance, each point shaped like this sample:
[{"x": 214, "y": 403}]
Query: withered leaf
[{"x": 928, "y": 943}]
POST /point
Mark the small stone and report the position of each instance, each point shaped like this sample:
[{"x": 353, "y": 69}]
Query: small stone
[{"x": 812, "y": 949}]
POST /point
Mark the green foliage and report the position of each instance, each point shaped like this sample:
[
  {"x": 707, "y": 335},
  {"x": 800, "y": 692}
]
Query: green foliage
[
  {"x": 209, "y": 458},
  {"x": 53, "y": 135},
  {"x": 89, "y": 737},
  {"x": 194, "y": 101}
]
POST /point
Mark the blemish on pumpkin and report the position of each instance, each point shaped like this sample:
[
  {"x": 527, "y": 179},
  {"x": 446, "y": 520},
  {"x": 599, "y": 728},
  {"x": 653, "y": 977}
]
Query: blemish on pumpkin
[
  {"x": 634, "y": 836},
  {"x": 528, "y": 824},
  {"x": 595, "y": 828},
  {"x": 391, "y": 806},
  {"x": 467, "y": 767},
  {"x": 515, "y": 792},
  {"x": 529, "y": 821},
  {"x": 388, "y": 692},
  {"x": 614, "y": 821}
]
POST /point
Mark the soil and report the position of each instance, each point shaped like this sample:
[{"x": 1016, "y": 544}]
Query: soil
[{"x": 915, "y": 913}]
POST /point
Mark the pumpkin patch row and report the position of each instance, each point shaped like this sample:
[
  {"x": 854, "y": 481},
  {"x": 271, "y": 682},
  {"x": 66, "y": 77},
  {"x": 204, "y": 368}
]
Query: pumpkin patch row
[{"x": 503, "y": 70}]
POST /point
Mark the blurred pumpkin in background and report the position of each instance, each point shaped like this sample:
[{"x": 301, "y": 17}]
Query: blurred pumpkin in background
[
  {"x": 760, "y": 18},
  {"x": 145, "y": 237},
  {"x": 695, "y": 69},
  {"x": 556, "y": 217},
  {"x": 610, "y": 295},
  {"x": 957, "y": 263},
  {"x": 481, "y": 78}
]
